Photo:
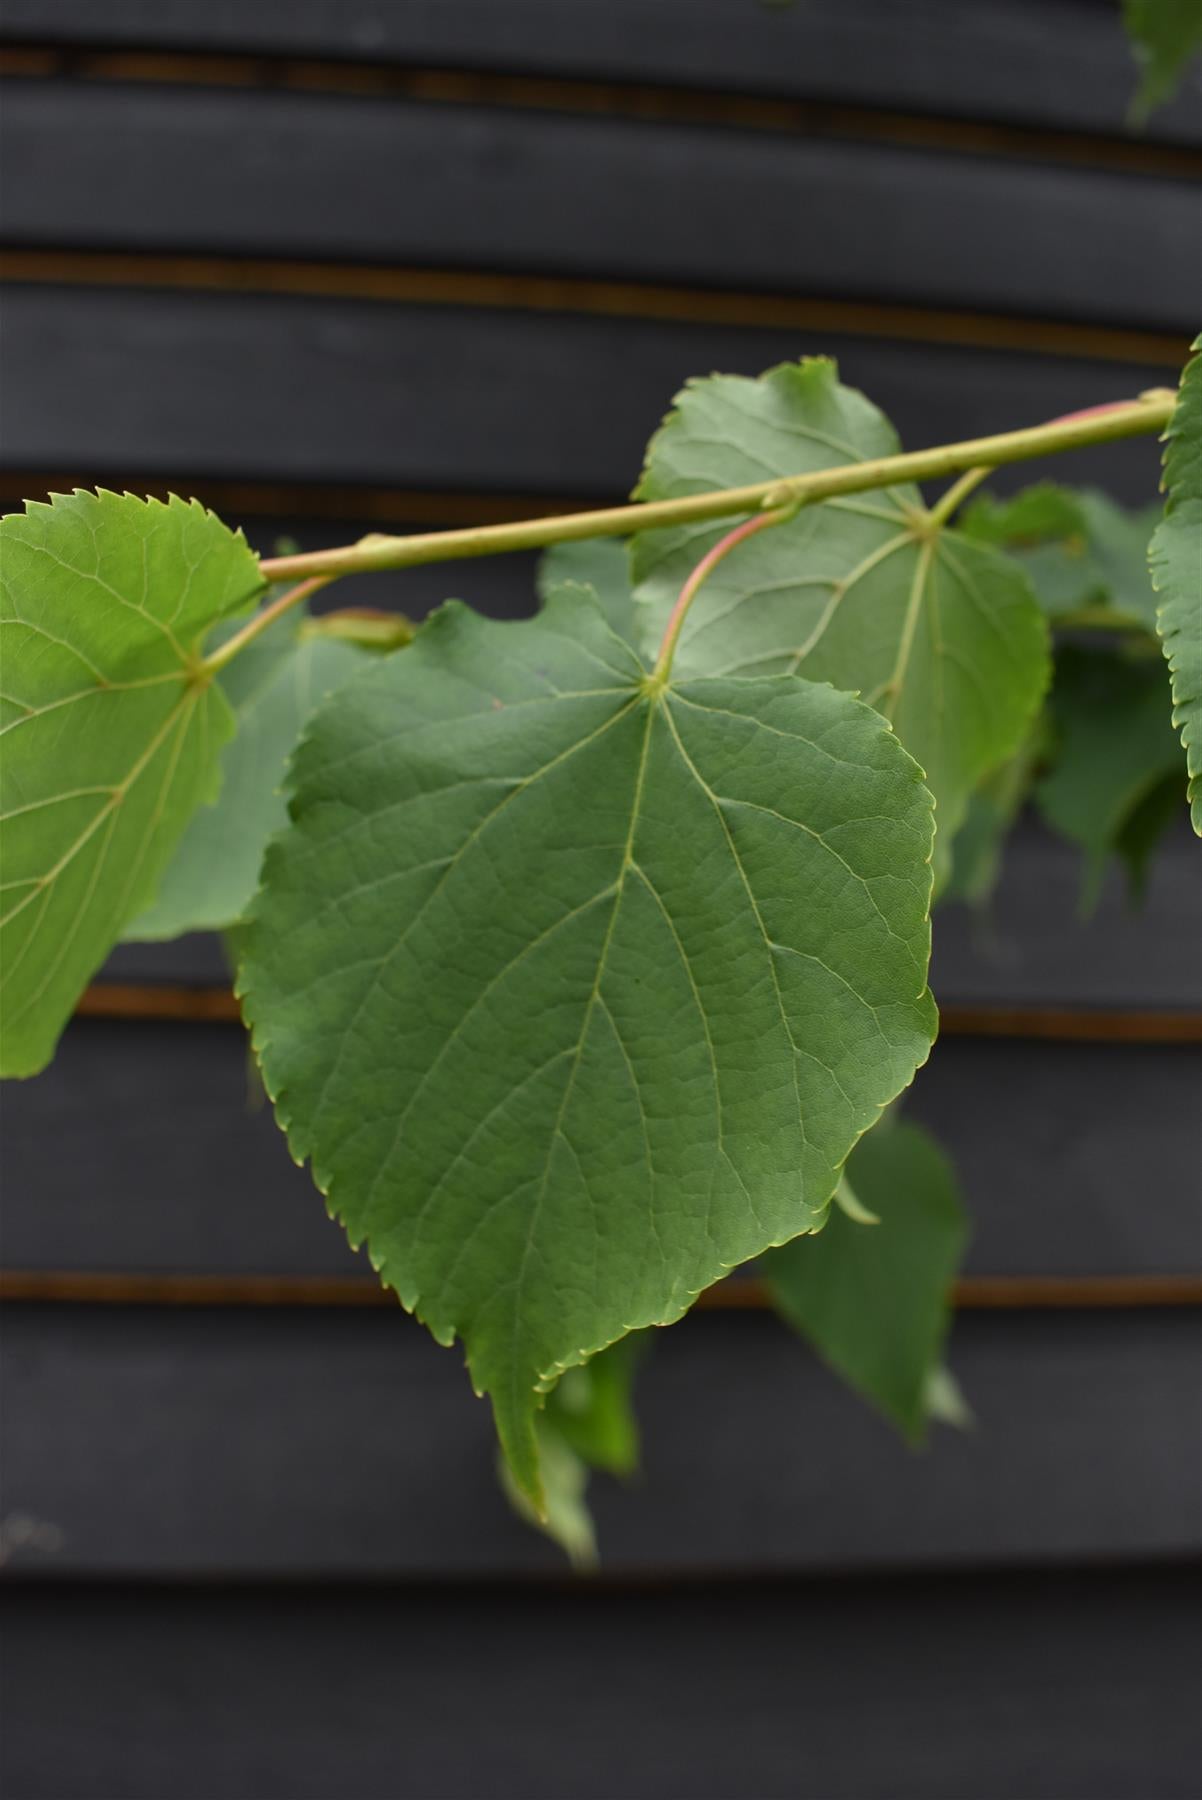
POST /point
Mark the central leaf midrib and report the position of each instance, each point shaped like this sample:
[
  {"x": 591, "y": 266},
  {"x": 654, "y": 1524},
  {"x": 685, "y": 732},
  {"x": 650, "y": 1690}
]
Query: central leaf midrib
[{"x": 652, "y": 705}]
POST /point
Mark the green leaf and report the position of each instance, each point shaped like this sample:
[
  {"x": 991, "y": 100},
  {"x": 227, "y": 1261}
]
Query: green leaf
[
  {"x": 945, "y": 1402},
  {"x": 1175, "y": 559},
  {"x": 873, "y": 1299},
  {"x": 576, "y": 989},
  {"x": 272, "y": 686},
  {"x": 602, "y": 564},
  {"x": 564, "y": 1512},
  {"x": 941, "y": 634},
  {"x": 112, "y": 737},
  {"x": 1114, "y": 745},
  {"x": 1078, "y": 546},
  {"x": 1118, "y": 539},
  {"x": 591, "y": 1407},
  {"x": 588, "y": 1423},
  {"x": 993, "y": 808},
  {"x": 1164, "y": 34},
  {"x": 1144, "y": 827},
  {"x": 1035, "y": 515}
]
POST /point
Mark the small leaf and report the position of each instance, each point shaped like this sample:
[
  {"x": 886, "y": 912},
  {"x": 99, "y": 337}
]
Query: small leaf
[
  {"x": 588, "y": 1423},
  {"x": 1175, "y": 559},
  {"x": 848, "y": 1201},
  {"x": 1038, "y": 514},
  {"x": 993, "y": 809},
  {"x": 873, "y": 1301},
  {"x": 1145, "y": 825},
  {"x": 1079, "y": 547},
  {"x": 564, "y": 1515},
  {"x": 938, "y": 632},
  {"x": 272, "y": 686},
  {"x": 1114, "y": 745},
  {"x": 112, "y": 735},
  {"x": 1164, "y": 34},
  {"x": 945, "y": 1402},
  {"x": 591, "y": 1407},
  {"x": 602, "y": 564},
  {"x": 576, "y": 989}
]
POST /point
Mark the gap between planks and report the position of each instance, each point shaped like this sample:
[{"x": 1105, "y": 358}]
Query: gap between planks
[
  {"x": 487, "y": 290},
  {"x": 146, "y": 1001},
  {"x": 738, "y": 1293},
  {"x": 653, "y": 103}
]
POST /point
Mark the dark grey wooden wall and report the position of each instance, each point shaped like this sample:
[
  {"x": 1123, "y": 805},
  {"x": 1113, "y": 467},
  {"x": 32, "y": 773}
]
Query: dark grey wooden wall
[{"x": 333, "y": 266}]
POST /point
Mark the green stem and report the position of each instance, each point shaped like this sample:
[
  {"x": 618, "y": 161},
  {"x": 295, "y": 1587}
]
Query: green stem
[
  {"x": 1100, "y": 425},
  {"x": 1126, "y": 418}
]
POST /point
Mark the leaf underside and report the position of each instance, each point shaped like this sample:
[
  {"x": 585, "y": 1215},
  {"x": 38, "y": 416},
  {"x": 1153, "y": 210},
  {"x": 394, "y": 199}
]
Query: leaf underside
[
  {"x": 1114, "y": 747},
  {"x": 1175, "y": 560},
  {"x": 939, "y": 632},
  {"x": 602, "y": 564},
  {"x": 577, "y": 992},
  {"x": 110, "y": 741},
  {"x": 272, "y": 687}
]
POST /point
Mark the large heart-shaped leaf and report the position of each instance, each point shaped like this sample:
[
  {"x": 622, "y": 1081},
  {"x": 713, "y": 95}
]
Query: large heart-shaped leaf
[
  {"x": 941, "y": 634},
  {"x": 1175, "y": 559},
  {"x": 111, "y": 730},
  {"x": 576, "y": 987}
]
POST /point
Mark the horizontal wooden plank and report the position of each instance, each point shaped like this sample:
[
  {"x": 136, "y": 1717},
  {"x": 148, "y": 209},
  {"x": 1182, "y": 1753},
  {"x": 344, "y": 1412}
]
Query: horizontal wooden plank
[
  {"x": 1135, "y": 151},
  {"x": 1062, "y": 63},
  {"x": 144, "y": 1148},
  {"x": 1033, "y": 948},
  {"x": 107, "y": 380},
  {"x": 346, "y": 1443},
  {"x": 971, "y": 1685},
  {"x": 242, "y": 172}
]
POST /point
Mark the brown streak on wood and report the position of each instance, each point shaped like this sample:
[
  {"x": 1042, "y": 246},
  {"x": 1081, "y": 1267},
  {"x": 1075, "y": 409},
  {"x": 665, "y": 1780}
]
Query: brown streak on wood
[
  {"x": 736, "y": 1294},
  {"x": 152, "y": 1000},
  {"x": 640, "y": 101},
  {"x": 148, "y": 1000},
  {"x": 490, "y": 291},
  {"x": 271, "y": 499},
  {"x": 1073, "y": 1025}
]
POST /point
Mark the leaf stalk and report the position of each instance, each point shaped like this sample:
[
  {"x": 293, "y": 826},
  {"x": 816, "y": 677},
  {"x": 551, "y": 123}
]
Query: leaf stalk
[
  {"x": 697, "y": 576},
  {"x": 262, "y": 621}
]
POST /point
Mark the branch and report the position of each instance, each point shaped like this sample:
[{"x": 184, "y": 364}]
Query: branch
[
  {"x": 313, "y": 570},
  {"x": 1100, "y": 425}
]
